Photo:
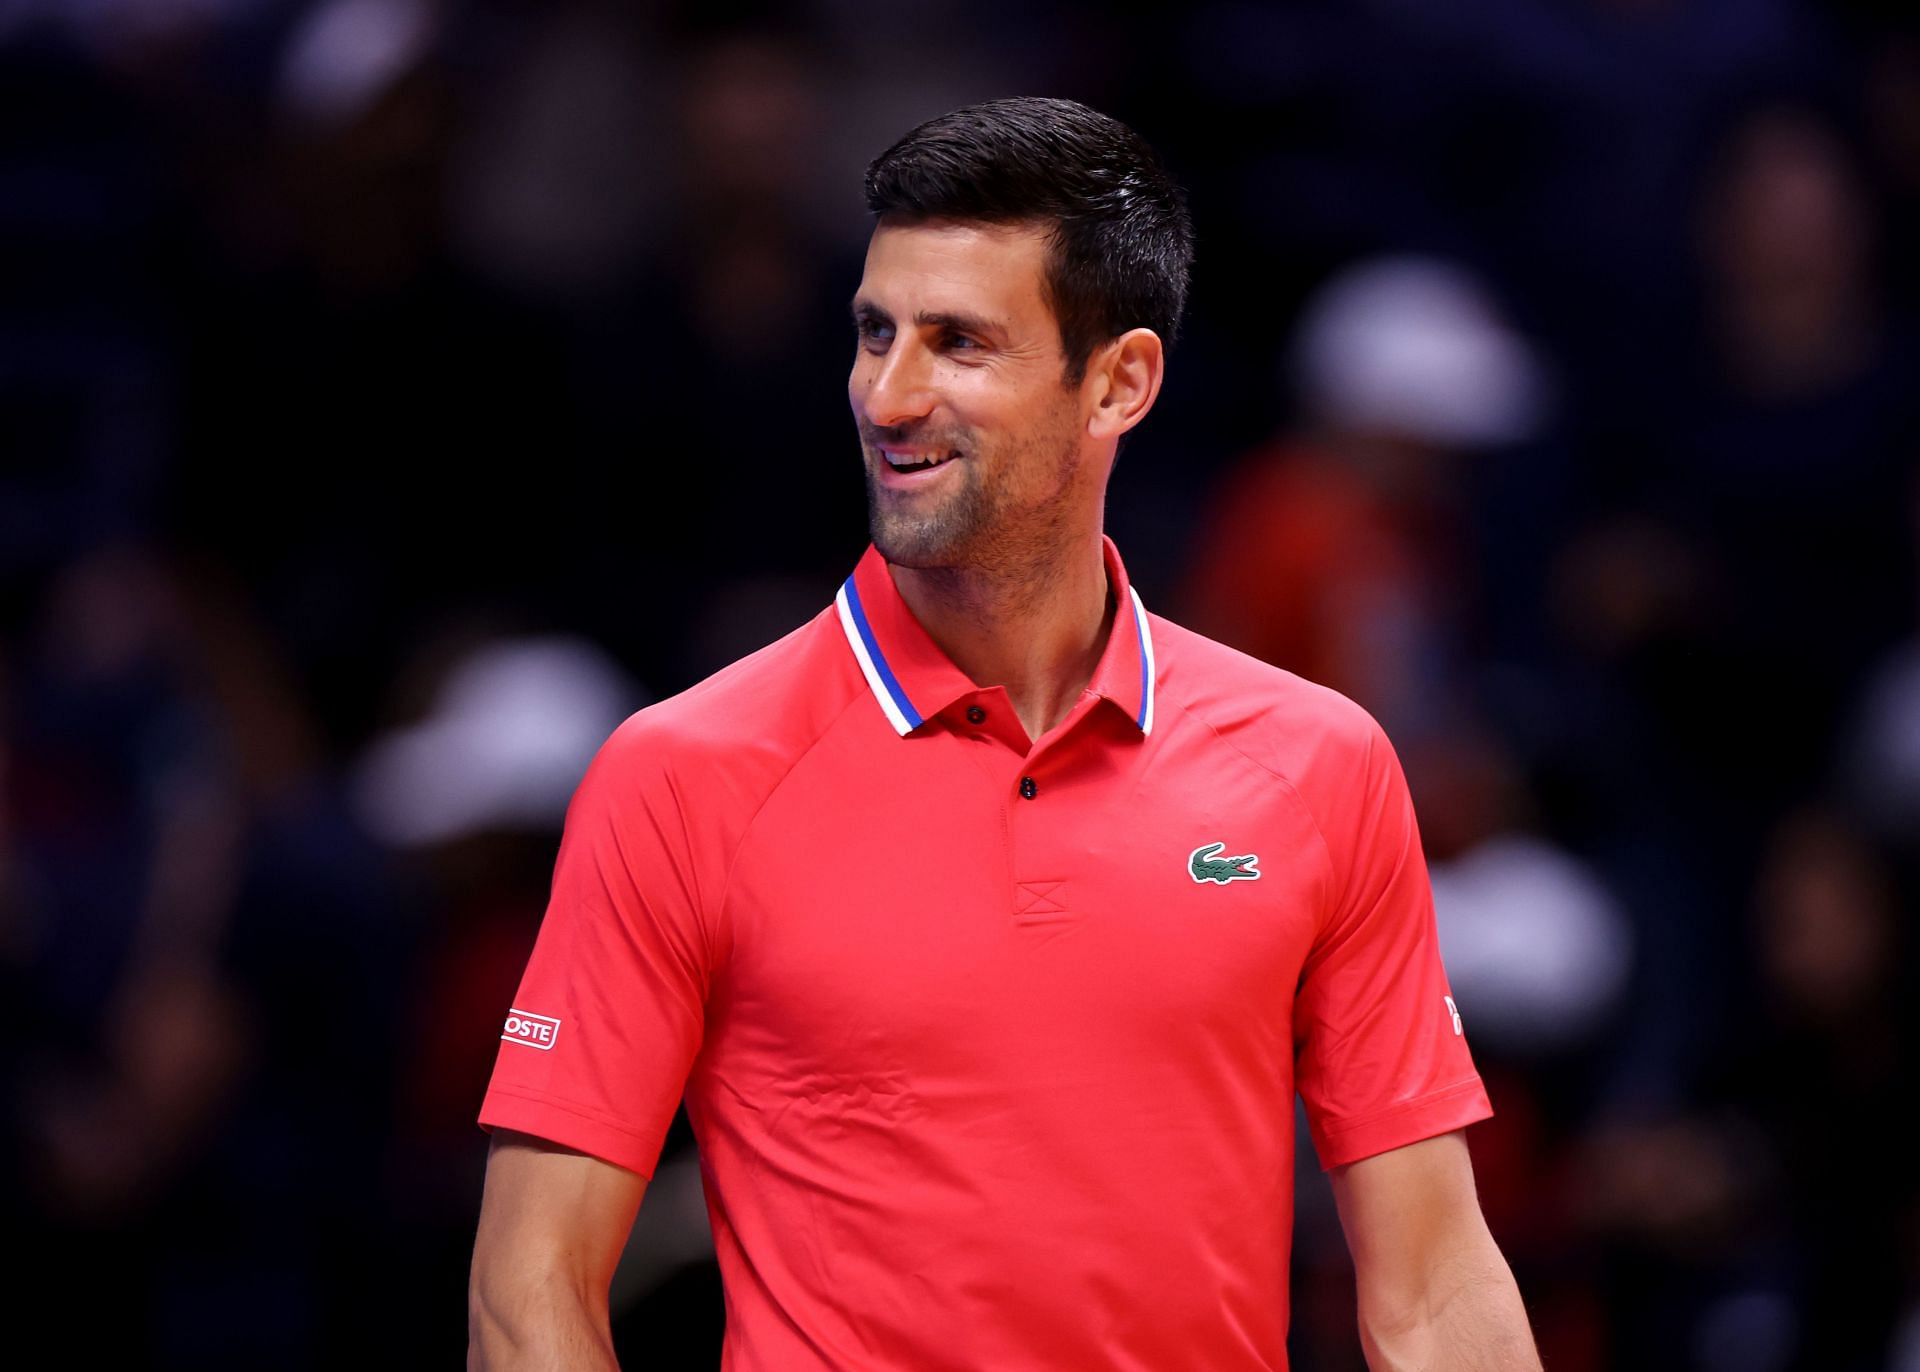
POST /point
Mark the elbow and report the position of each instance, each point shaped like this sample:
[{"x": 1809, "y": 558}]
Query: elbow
[
  {"x": 496, "y": 1328},
  {"x": 1397, "y": 1334},
  {"x": 489, "y": 1338},
  {"x": 528, "y": 1320},
  {"x": 1469, "y": 1314}
]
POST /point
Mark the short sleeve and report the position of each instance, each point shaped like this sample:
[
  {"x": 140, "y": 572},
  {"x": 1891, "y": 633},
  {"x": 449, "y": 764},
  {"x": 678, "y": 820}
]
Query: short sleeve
[
  {"x": 1381, "y": 1058},
  {"x": 604, "y": 1028}
]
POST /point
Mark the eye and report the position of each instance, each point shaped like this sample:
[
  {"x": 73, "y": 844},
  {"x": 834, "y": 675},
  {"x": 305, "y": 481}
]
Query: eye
[
  {"x": 869, "y": 330},
  {"x": 960, "y": 340}
]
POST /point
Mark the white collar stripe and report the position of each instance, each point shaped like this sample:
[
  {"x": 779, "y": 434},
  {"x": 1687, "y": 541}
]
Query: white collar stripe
[
  {"x": 1146, "y": 663},
  {"x": 872, "y": 664}
]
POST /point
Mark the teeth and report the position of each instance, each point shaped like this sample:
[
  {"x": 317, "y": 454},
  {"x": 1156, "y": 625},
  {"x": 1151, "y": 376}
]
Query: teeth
[{"x": 899, "y": 460}]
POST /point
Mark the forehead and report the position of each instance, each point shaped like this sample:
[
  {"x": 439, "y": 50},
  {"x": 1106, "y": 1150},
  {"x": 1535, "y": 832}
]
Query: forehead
[{"x": 941, "y": 266}]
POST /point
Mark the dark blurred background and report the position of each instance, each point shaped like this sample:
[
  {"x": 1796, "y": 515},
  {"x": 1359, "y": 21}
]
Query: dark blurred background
[{"x": 394, "y": 394}]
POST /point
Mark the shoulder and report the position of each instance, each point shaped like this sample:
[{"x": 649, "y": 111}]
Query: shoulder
[
  {"x": 739, "y": 730},
  {"x": 1320, "y": 742},
  {"x": 1279, "y": 716}
]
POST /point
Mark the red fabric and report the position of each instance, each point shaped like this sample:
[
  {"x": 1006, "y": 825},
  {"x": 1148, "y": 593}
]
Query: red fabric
[{"x": 982, "y": 1080}]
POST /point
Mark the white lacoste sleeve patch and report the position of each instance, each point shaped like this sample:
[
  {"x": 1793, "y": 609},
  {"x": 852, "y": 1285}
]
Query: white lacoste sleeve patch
[{"x": 536, "y": 1031}]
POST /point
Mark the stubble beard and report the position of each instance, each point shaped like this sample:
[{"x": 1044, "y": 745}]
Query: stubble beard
[
  {"x": 978, "y": 538},
  {"x": 918, "y": 532}
]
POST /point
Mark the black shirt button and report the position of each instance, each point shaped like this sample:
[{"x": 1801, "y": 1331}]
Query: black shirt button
[
  {"x": 1027, "y": 788},
  {"x": 975, "y": 714}
]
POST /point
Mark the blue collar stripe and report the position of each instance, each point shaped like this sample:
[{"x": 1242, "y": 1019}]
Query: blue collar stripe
[{"x": 879, "y": 674}]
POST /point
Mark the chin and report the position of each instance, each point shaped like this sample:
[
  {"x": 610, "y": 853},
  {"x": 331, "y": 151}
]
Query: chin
[
  {"x": 908, "y": 551},
  {"x": 907, "y": 542},
  {"x": 917, "y": 546}
]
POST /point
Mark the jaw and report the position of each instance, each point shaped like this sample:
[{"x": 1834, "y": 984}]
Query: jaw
[
  {"x": 964, "y": 514},
  {"x": 934, "y": 526}
]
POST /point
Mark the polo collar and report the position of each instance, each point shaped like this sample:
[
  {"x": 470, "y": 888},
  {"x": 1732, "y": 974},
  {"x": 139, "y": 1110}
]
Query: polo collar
[{"x": 913, "y": 680}]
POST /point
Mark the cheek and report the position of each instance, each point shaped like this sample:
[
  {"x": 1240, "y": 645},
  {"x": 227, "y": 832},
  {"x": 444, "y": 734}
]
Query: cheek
[{"x": 1055, "y": 426}]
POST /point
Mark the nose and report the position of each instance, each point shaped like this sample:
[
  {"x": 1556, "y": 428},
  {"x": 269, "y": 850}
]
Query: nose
[{"x": 894, "y": 387}]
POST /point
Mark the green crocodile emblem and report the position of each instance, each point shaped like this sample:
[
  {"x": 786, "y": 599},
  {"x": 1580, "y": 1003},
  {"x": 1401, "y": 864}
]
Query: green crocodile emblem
[{"x": 1207, "y": 866}]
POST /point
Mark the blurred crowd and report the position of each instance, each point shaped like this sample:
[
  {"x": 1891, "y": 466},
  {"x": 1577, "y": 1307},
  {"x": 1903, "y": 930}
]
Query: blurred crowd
[{"x": 395, "y": 394}]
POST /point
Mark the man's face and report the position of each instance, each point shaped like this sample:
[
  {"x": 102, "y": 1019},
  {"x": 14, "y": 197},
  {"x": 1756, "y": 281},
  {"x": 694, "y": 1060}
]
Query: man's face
[{"x": 959, "y": 361}]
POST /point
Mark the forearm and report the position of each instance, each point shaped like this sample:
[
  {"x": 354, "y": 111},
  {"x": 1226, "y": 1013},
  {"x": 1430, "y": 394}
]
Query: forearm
[
  {"x": 541, "y": 1325},
  {"x": 1467, "y": 1318}
]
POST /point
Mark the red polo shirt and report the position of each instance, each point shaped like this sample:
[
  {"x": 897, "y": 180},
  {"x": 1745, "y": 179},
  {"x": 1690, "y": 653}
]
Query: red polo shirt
[{"x": 990, "y": 1044}]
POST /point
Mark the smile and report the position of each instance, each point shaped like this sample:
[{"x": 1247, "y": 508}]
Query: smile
[{"x": 917, "y": 461}]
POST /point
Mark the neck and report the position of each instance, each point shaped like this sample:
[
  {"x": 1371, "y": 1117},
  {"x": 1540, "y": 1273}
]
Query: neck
[{"x": 1037, "y": 629}]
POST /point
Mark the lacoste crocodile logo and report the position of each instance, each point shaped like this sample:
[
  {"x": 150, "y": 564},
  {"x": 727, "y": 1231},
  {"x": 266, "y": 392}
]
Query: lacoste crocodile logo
[{"x": 1207, "y": 866}]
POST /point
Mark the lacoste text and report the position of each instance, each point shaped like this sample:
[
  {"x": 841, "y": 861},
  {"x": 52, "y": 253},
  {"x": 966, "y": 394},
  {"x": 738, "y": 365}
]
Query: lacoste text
[{"x": 536, "y": 1031}]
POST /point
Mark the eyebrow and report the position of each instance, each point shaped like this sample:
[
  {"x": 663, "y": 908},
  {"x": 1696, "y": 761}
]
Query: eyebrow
[{"x": 957, "y": 320}]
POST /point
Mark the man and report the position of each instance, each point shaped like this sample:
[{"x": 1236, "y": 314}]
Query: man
[{"x": 988, "y": 922}]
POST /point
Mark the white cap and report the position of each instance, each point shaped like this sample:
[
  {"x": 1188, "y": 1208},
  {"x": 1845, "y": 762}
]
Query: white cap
[
  {"x": 511, "y": 733},
  {"x": 1415, "y": 345},
  {"x": 1880, "y": 763},
  {"x": 1536, "y": 949},
  {"x": 346, "y": 54}
]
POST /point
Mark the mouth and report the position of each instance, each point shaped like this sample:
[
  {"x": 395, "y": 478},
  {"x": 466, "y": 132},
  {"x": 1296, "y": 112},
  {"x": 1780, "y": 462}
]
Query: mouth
[
  {"x": 914, "y": 466},
  {"x": 917, "y": 460}
]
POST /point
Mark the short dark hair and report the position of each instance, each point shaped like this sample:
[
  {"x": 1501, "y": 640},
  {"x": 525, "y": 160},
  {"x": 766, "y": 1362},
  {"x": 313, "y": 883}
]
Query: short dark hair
[{"x": 1122, "y": 243}]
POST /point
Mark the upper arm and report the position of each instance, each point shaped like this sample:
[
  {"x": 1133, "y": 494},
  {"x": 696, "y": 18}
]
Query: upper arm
[
  {"x": 550, "y": 1213},
  {"x": 610, "y": 1013},
  {"x": 1381, "y": 1059},
  {"x": 1411, "y": 1216}
]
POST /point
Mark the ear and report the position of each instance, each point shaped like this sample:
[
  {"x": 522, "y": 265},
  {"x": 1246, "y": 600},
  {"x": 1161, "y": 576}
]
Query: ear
[{"x": 1123, "y": 380}]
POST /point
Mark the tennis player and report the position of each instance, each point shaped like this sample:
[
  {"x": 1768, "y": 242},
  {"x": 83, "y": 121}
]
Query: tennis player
[{"x": 988, "y": 922}]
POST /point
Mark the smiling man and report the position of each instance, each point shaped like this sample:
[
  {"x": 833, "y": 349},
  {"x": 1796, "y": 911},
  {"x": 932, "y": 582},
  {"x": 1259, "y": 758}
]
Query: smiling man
[{"x": 989, "y": 923}]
